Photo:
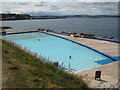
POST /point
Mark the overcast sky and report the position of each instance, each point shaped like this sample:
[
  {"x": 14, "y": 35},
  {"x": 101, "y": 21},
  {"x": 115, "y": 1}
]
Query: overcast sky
[
  {"x": 61, "y": 8},
  {"x": 60, "y": 0}
]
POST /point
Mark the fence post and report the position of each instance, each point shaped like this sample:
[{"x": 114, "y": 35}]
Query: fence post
[{"x": 69, "y": 66}]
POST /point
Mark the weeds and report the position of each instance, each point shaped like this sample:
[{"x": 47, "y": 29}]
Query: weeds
[{"x": 26, "y": 70}]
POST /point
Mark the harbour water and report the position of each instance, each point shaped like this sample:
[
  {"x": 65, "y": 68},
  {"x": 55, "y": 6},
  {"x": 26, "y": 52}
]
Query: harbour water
[{"x": 104, "y": 26}]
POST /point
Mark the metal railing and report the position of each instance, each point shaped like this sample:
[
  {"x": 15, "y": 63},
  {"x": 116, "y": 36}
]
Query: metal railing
[{"x": 42, "y": 57}]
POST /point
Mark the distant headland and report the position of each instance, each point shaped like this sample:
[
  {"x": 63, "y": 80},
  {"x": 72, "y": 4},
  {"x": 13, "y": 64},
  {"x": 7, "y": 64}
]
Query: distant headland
[{"x": 4, "y": 17}]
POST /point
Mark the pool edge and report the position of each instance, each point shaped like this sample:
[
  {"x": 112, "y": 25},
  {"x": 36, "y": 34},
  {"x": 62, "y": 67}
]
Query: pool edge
[{"x": 82, "y": 45}]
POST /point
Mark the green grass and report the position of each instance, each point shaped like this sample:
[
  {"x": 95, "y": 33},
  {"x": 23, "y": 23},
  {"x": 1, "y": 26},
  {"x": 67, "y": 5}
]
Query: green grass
[{"x": 22, "y": 69}]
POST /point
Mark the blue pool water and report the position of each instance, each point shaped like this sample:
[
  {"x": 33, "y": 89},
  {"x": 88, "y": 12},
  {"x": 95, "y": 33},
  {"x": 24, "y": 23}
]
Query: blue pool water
[{"x": 58, "y": 49}]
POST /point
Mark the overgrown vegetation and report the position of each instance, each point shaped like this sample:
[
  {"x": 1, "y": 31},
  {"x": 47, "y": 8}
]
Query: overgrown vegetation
[
  {"x": 5, "y": 27},
  {"x": 24, "y": 70},
  {"x": 85, "y": 34}
]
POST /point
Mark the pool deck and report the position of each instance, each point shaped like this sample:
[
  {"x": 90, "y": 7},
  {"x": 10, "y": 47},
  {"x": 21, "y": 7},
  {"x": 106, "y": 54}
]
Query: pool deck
[
  {"x": 109, "y": 72},
  {"x": 109, "y": 48},
  {"x": 109, "y": 76}
]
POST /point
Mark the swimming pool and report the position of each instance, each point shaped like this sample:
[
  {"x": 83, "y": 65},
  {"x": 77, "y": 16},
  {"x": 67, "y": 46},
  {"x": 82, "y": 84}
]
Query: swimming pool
[{"x": 68, "y": 54}]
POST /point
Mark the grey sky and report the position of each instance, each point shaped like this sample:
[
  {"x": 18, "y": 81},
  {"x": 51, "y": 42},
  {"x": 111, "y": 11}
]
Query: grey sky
[{"x": 61, "y": 8}]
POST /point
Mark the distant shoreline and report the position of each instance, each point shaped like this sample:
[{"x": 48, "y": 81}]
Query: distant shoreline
[
  {"x": 30, "y": 19},
  {"x": 10, "y": 17},
  {"x": 54, "y": 18}
]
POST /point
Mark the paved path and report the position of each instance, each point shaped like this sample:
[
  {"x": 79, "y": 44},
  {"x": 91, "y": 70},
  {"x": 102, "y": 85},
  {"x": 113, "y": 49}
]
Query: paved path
[
  {"x": 105, "y": 82},
  {"x": 106, "y": 47},
  {"x": 109, "y": 77}
]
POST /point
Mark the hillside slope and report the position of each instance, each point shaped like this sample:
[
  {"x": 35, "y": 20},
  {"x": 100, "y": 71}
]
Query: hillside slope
[{"x": 24, "y": 70}]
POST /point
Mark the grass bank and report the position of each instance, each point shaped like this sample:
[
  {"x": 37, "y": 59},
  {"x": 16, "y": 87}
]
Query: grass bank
[{"x": 24, "y": 70}]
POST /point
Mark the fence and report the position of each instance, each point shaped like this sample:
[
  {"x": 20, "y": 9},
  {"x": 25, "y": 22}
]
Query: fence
[{"x": 42, "y": 57}]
